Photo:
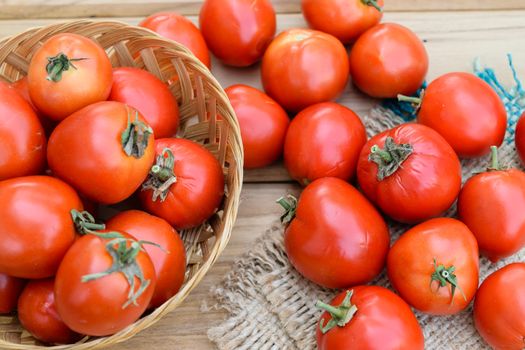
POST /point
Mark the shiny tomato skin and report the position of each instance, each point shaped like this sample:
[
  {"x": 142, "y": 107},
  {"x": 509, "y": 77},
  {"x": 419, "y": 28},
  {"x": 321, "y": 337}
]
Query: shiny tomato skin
[
  {"x": 96, "y": 307},
  {"x": 238, "y": 31},
  {"x": 38, "y": 315},
  {"x": 35, "y": 215},
  {"x": 178, "y": 28},
  {"x": 426, "y": 184},
  {"x": 263, "y": 125},
  {"x": 336, "y": 230},
  {"x": 410, "y": 265},
  {"x": 499, "y": 312},
  {"x": 383, "y": 321},
  {"x": 520, "y": 138},
  {"x": 387, "y": 60},
  {"x": 10, "y": 289},
  {"x": 169, "y": 260},
  {"x": 86, "y": 151},
  {"x": 303, "y": 67},
  {"x": 492, "y": 205},
  {"x": 466, "y": 111},
  {"x": 344, "y": 19},
  {"x": 90, "y": 82},
  {"x": 323, "y": 140}
]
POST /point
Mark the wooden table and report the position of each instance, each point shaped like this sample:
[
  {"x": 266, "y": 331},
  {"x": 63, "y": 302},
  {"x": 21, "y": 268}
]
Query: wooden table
[{"x": 456, "y": 33}]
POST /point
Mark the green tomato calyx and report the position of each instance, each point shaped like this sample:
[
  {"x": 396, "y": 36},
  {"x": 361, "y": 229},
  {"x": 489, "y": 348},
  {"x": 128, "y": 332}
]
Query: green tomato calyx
[
  {"x": 446, "y": 276},
  {"x": 340, "y": 315},
  {"x": 290, "y": 206},
  {"x": 390, "y": 158}
]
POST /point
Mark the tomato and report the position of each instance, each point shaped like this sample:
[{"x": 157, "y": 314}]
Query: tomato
[
  {"x": 378, "y": 319},
  {"x": 23, "y": 150},
  {"x": 21, "y": 86},
  {"x": 499, "y": 311},
  {"x": 410, "y": 172},
  {"x": 332, "y": 230},
  {"x": 186, "y": 184},
  {"x": 178, "y": 28},
  {"x": 387, "y": 60},
  {"x": 36, "y": 228},
  {"x": 303, "y": 67},
  {"x": 520, "y": 137},
  {"x": 104, "y": 150},
  {"x": 38, "y": 315},
  {"x": 10, "y": 289},
  {"x": 434, "y": 266},
  {"x": 344, "y": 19},
  {"x": 104, "y": 283},
  {"x": 263, "y": 125},
  {"x": 323, "y": 140},
  {"x": 169, "y": 262},
  {"x": 492, "y": 205},
  {"x": 238, "y": 31},
  {"x": 66, "y": 73}
]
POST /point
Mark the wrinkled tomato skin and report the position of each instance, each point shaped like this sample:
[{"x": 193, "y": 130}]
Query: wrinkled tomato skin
[
  {"x": 323, "y": 140},
  {"x": 10, "y": 289},
  {"x": 336, "y": 230},
  {"x": 520, "y": 138}
]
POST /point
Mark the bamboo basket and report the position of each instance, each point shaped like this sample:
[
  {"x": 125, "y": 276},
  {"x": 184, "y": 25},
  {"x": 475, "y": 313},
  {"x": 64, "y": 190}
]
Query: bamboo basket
[{"x": 201, "y": 99}]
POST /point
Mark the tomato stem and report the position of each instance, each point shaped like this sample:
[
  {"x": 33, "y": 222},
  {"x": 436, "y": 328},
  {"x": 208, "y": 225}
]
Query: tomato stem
[
  {"x": 161, "y": 176},
  {"x": 389, "y": 159},
  {"x": 58, "y": 64},
  {"x": 416, "y": 101},
  {"x": 494, "y": 166},
  {"x": 445, "y": 275},
  {"x": 290, "y": 206},
  {"x": 341, "y": 314},
  {"x": 373, "y": 3},
  {"x": 135, "y": 137},
  {"x": 85, "y": 222}
]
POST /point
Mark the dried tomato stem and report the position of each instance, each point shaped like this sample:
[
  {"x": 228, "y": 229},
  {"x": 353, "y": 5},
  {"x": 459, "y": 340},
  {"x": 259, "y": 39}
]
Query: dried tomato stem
[
  {"x": 135, "y": 137},
  {"x": 85, "y": 222},
  {"x": 161, "y": 176},
  {"x": 373, "y": 3},
  {"x": 58, "y": 64},
  {"x": 290, "y": 206},
  {"x": 494, "y": 166},
  {"x": 390, "y": 158},
  {"x": 416, "y": 101}
]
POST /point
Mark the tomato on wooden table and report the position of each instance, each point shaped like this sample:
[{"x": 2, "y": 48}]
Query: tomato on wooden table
[
  {"x": 368, "y": 317},
  {"x": 410, "y": 172},
  {"x": 67, "y": 73},
  {"x": 519, "y": 137},
  {"x": 10, "y": 289},
  {"x": 333, "y": 230},
  {"x": 303, "y": 67},
  {"x": 323, "y": 140}
]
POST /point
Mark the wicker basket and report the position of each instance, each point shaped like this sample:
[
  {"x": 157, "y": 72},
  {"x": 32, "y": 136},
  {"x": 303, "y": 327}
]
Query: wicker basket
[{"x": 200, "y": 99}]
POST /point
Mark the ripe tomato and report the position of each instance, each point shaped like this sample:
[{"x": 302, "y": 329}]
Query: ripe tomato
[
  {"x": 104, "y": 150},
  {"x": 238, "y": 31},
  {"x": 38, "y": 315},
  {"x": 23, "y": 150},
  {"x": 10, "y": 289},
  {"x": 150, "y": 96},
  {"x": 185, "y": 186},
  {"x": 346, "y": 20},
  {"x": 378, "y": 319},
  {"x": 410, "y": 172},
  {"x": 36, "y": 228},
  {"x": 104, "y": 283},
  {"x": 332, "y": 230},
  {"x": 499, "y": 311},
  {"x": 520, "y": 137},
  {"x": 387, "y": 60},
  {"x": 67, "y": 73},
  {"x": 178, "y": 28},
  {"x": 263, "y": 125},
  {"x": 492, "y": 205},
  {"x": 169, "y": 261},
  {"x": 323, "y": 140},
  {"x": 302, "y": 67},
  {"x": 434, "y": 266}
]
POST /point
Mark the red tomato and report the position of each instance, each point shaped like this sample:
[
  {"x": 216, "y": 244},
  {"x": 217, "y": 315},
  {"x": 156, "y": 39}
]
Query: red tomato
[
  {"x": 238, "y": 31},
  {"x": 520, "y": 137},
  {"x": 410, "y": 172},
  {"x": 466, "y": 111},
  {"x": 434, "y": 266},
  {"x": 323, "y": 140},
  {"x": 332, "y": 230},
  {"x": 93, "y": 294},
  {"x": 38, "y": 315},
  {"x": 10, "y": 289},
  {"x": 302, "y": 67},
  {"x": 499, "y": 311},
  {"x": 188, "y": 184},
  {"x": 23, "y": 150},
  {"x": 104, "y": 150},
  {"x": 36, "y": 228},
  {"x": 169, "y": 261},
  {"x": 378, "y": 319},
  {"x": 263, "y": 125},
  {"x": 67, "y": 73},
  {"x": 387, "y": 60},
  {"x": 492, "y": 205},
  {"x": 178, "y": 28},
  {"x": 150, "y": 96},
  {"x": 344, "y": 19}
]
